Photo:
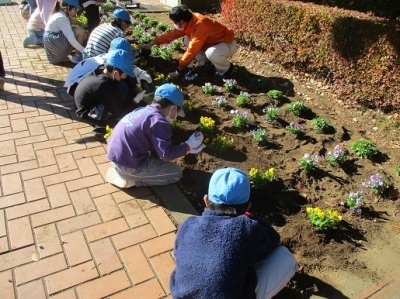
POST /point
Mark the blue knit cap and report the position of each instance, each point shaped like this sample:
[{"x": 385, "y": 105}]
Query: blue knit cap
[{"x": 229, "y": 186}]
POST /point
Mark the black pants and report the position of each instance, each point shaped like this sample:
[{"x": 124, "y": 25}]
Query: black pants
[
  {"x": 93, "y": 16},
  {"x": 2, "y": 71}
]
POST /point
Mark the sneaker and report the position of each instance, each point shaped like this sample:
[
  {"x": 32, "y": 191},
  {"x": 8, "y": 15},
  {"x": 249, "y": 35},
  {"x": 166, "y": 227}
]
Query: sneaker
[
  {"x": 76, "y": 58},
  {"x": 115, "y": 179},
  {"x": 1, "y": 83},
  {"x": 230, "y": 72}
]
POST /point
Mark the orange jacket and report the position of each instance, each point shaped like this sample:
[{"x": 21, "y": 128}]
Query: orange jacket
[{"x": 203, "y": 32}]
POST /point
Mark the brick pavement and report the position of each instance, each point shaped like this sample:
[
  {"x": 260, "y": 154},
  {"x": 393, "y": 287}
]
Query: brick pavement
[{"x": 65, "y": 232}]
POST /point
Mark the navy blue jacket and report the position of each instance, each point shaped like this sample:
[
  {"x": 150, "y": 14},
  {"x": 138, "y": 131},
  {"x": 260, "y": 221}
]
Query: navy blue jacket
[{"x": 214, "y": 253}]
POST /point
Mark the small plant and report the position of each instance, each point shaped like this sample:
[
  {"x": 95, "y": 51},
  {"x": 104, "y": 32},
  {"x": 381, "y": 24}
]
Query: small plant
[
  {"x": 207, "y": 124},
  {"x": 208, "y": 88},
  {"x": 337, "y": 156},
  {"x": 219, "y": 144},
  {"x": 271, "y": 113},
  {"x": 137, "y": 32},
  {"x": 365, "y": 149},
  {"x": 398, "y": 170},
  {"x": 145, "y": 38},
  {"x": 219, "y": 102},
  {"x": 259, "y": 179},
  {"x": 165, "y": 53},
  {"x": 187, "y": 106},
  {"x": 354, "y": 201},
  {"x": 82, "y": 19},
  {"x": 323, "y": 219},
  {"x": 160, "y": 79},
  {"x": 162, "y": 27},
  {"x": 321, "y": 125},
  {"x": 274, "y": 94},
  {"x": 377, "y": 183},
  {"x": 146, "y": 20},
  {"x": 177, "y": 44},
  {"x": 297, "y": 108},
  {"x": 153, "y": 22},
  {"x": 295, "y": 128},
  {"x": 309, "y": 162},
  {"x": 240, "y": 120},
  {"x": 260, "y": 136},
  {"x": 191, "y": 75},
  {"x": 230, "y": 84},
  {"x": 109, "y": 131},
  {"x": 153, "y": 32},
  {"x": 243, "y": 98},
  {"x": 107, "y": 6}
]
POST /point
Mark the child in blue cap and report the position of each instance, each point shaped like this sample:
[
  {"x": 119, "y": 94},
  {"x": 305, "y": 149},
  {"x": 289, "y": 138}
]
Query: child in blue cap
[
  {"x": 99, "y": 97},
  {"x": 226, "y": 254},
  {"x": 140, "y": 147},
  {"x": 101, "y": 37}
]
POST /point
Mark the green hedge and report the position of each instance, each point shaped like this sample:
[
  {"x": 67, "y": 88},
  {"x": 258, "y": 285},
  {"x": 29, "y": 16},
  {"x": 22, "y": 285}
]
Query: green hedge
[{"x": 357, "y": 53}]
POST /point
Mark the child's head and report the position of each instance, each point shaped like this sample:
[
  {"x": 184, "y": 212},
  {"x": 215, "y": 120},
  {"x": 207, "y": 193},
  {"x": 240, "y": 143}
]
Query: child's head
[{"x": 229, "y": 188}]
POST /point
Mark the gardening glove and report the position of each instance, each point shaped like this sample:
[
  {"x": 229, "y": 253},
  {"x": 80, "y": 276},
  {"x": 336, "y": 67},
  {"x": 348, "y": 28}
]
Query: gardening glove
[
  {"x": 195, "y": 140},
  {"x": 198, "y": 149},
  {"x": 139, "y": 96}
]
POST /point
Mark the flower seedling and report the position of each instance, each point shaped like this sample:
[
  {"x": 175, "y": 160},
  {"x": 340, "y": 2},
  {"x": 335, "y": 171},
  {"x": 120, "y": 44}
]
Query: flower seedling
[
  {"x": 297, "y": 108},
  {"x": 162, "y": 27},
  {"x": 274, "y": 94},
  {"x": 323, "y": 219},
  {"x": 365, "y": 149},
  {"x": 145, "y": 38},
  {"x": 153, "y": 31},
  {"x": 187, "y": 106},
  {"x": 82, "y": 19},
  {"x": 354, "y": 201},
  {"x": 165, "y": 53},
  {"x": 219, "y": 144},
  {"x": 243, "y": 98},
  {"x": 230, "y": 84},
  {"x": 321, "y": 125},
  {"x": 337, "y": 156},
  {"x": 259, "y": 179},
  {"x": 153, "y": 22},
  {"x": 109, "y": 131},
  {"x": 208, "y": 88},
  {"x": 271, "y": 113},
  {"x": 207, "y": 124},
  {"x": 137, "y": 32},
  {"x": 106, "y": 5},
  {"x": 240, "y": 120},
  {"x": 377, "y": 183},
  {"x": 191, "y": 75},
  {"x": 309, "y": 162},
  {"x": 177, "y": 44},
  {"x": 295, "y": 128},
  {"x": 260, "y": 136},
  {"x": 219, "y": 102}
]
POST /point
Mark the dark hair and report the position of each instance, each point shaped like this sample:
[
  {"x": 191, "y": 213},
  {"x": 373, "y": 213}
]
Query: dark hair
[
  {"x": 64, "y": 7},
  {"x": 232, "y": 209},
  {"x": 162, "y": 102},
  {"x": 110, "y": 69},
  {"x": 180, "y": 13}
]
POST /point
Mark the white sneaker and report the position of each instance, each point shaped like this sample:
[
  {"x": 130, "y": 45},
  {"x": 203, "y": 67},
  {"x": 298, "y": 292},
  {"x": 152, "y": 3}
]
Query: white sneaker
[
  {"x": 115, "y": 179},
  {"x": 1, "y": 83},
  {"x": 76, "y": 58}
]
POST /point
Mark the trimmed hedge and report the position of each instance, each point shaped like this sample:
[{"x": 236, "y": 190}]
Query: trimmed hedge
[
  {"x": 381, "y": 8},
  {"x": 357, "y": 53}
]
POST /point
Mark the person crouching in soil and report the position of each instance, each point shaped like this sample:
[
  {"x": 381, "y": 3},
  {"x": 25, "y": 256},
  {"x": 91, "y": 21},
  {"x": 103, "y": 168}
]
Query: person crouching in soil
[
  {"x": 140, "y": 147},
  {"x": 226, "y": 253}
]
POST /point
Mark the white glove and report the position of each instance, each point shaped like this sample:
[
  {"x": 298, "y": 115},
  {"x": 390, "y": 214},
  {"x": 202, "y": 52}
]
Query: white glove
[
  {"x": 198, "y": 149},
  {"x": 139, "y": 97},
  {"x": 195, "y": 140}
]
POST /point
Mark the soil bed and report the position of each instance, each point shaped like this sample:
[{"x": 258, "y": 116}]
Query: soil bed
[{"x": 283, "y": 202}]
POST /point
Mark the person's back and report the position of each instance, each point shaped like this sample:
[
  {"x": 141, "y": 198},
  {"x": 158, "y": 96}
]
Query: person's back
[
  {"x": 214, "y": 253},
  {"x": 100, "y": 40},
  {"x": 224, "y": 253}
]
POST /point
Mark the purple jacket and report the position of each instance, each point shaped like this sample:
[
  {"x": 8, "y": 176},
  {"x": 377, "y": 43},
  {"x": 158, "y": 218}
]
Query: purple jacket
[{"x": 142, "y": 131}]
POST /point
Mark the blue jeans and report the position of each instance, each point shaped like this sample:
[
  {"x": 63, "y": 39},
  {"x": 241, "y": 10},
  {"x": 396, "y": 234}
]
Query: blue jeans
[{"x": 34, "y": 38}]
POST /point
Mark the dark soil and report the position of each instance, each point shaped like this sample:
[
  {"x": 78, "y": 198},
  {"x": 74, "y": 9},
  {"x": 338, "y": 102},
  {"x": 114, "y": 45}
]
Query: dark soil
[{"x": 283, "y": 202}]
